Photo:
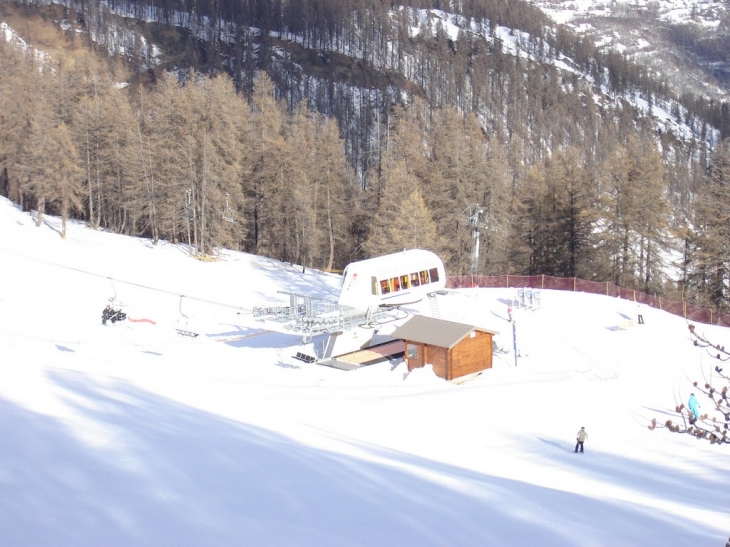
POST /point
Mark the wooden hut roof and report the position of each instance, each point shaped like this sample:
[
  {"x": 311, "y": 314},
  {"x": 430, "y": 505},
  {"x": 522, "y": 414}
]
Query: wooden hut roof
[{"x": 435, "y": 332}]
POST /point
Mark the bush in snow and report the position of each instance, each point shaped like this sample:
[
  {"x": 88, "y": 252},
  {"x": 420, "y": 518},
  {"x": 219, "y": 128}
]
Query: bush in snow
[{"x": 713, "y": 426}]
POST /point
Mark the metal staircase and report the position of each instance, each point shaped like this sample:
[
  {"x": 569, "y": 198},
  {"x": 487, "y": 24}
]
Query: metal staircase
[{"x": 432, "y": 297}]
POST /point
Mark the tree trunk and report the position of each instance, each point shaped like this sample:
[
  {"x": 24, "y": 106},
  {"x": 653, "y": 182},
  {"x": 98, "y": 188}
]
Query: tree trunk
[
  {"x": 41, "y": 210},
  {"x": 64, "y": 215}
]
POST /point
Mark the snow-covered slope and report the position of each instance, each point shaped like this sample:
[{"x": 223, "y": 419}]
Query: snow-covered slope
[
  {"x": 650, "y": 32},
  {"x": 133, "y": 435}
]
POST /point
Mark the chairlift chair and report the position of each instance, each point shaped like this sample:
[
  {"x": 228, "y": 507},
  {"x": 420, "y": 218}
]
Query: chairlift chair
[
  {"x": 182, "y": 327},
  {"x": 113, "y": 311},
  {"x": 188, "y": 209},
  {"x": 228, "y": 211},
  {"x": 113, "y": 301}
]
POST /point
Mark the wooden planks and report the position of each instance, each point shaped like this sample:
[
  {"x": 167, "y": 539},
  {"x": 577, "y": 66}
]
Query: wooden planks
[{"x": 374, "y": 353}]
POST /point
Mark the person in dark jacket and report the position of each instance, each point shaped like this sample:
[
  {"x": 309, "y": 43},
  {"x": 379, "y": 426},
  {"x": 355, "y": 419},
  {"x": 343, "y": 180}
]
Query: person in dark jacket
[
  {"x": 106, "y": 314},
  {"x": 580, "y": 439},
  {"x": 110, "y": 314}
]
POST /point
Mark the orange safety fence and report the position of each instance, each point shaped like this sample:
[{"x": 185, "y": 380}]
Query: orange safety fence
[
  {"x": 141, "y": 320},
  {"x": 683, "y": 309}
]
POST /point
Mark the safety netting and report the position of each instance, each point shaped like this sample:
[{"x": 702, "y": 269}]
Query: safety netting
[{"x": 683, "y": 309}]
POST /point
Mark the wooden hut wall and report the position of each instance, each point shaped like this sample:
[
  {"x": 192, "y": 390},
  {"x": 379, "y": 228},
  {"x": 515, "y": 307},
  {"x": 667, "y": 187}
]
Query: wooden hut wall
[
  {"x": 470, "y": 355},
  {"x": 420, "y": 359},
  {"x": 433, "y": 355},
  {"x": 439, "y": 359}
]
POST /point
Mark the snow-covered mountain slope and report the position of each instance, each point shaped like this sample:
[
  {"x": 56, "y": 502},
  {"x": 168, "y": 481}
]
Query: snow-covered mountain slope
[
  {"x": 133, "y": 435},
  {"x": 680, "y": 40}
]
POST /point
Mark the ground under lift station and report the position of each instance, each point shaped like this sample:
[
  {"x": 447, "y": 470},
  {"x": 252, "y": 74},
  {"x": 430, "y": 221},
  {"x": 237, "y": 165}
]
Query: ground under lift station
[{"x": 371, "y": 294}]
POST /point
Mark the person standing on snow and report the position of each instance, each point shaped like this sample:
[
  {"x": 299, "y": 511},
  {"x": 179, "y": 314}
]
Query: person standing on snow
[
  {"x": 580, "y": 438},
  {"x": 694, "y": 406}
]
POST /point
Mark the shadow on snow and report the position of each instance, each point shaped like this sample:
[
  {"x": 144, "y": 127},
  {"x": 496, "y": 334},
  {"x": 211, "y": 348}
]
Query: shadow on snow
[{"x": 135, "y": 468}]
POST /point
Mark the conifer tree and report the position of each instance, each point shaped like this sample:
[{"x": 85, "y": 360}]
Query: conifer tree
[
  {"x": 95, "y": 135},
  {"x": 402, "y": 220},
  {"x": 710, "y": 266},
  {"x": 53, "y": 175},
  {"x": 574, "y": 214},
  {"x": 634, "y": 216},
  {"x": 466, "y": 169},
  {"x": 266, "y": 144},
  {"x": 293, "y": 206},
  {"x": 530, "y": 252},
  {"x": 113, "y": 207},
  {"x": 331, "y": 191},
  {"x": 148, "y": 164},
  {"x": 209, "y": 110},
  {"x": 20, "y": 91}
]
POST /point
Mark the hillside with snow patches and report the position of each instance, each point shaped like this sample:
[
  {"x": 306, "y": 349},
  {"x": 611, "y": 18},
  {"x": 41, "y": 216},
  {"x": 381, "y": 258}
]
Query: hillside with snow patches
[
  {"x": 130, "y": 434},
  {"x": 640, "y": 41},
  {"x": 635, "y": 28},
  {"x": 646, "y": 31}
]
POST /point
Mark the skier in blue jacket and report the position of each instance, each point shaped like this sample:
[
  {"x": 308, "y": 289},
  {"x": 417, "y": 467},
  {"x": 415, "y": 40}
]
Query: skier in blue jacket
[{"x": 694, "y": 406}]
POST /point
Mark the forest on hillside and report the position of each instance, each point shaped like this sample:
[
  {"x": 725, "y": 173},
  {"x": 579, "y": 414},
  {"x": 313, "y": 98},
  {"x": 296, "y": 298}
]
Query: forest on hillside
[{"x": 257, "y": 161}]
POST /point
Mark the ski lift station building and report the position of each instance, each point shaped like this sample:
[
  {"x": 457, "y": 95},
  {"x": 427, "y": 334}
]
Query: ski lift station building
[{"x": 453, "y": 349}]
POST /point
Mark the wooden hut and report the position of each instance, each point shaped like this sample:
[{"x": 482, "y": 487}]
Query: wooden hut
[{"x": 453, "y": 349}]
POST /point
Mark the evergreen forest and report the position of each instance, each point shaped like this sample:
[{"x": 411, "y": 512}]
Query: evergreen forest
[{"x": 319, "y": 132}]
